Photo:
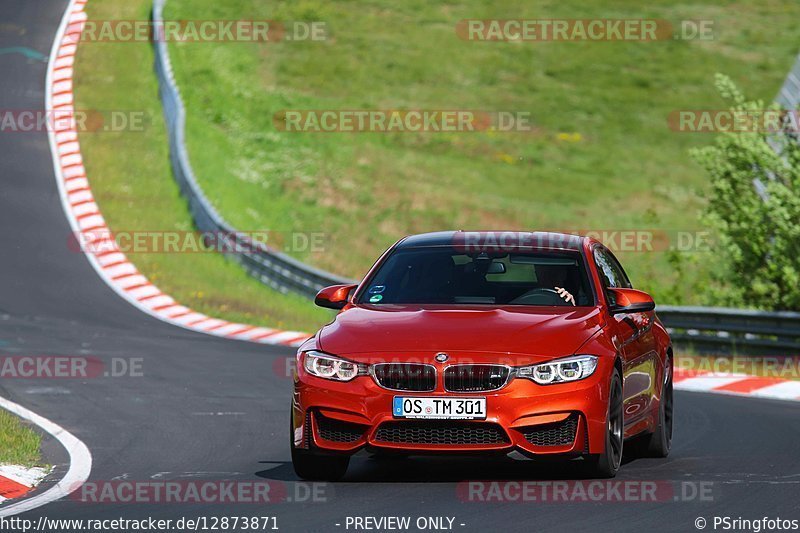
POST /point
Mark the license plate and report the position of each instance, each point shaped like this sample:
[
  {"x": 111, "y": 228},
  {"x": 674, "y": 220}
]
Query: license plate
[{"x": 441, "y": 408}]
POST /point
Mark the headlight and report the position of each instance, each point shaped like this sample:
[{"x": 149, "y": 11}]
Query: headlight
[
  {"x": 561, "y": 370},
  {"x": 329, "y": 367}
]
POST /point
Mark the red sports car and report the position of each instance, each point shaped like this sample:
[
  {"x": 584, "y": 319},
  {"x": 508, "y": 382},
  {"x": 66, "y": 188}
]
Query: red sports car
[{"x": 484, "y": 342}]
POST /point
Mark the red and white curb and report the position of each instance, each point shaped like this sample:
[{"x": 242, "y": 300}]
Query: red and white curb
[
  {"x": 88, "y": 223},
  {"x": 736, "y": 384},
  {"x": 17, "y": 481}
]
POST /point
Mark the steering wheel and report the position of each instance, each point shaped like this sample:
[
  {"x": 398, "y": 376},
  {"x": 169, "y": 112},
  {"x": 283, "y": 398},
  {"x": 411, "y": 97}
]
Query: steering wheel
[{"x": 539, "y": 296}]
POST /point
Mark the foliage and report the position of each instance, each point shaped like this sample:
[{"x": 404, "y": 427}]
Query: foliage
[{"x": 754, "y": 206}]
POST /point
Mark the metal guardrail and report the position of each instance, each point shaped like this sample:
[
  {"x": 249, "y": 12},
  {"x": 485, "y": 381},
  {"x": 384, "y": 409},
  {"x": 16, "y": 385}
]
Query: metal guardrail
[
  {"x": 789, "y": 95},
  {"x": 733, "y": 330},
  {"x": 270, "y": 266},
  {"x": 705, "y": 328}
]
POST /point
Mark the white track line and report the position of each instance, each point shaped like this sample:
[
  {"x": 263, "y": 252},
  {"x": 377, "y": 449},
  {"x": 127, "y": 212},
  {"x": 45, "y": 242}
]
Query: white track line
[{"x": 80, "y": 462}]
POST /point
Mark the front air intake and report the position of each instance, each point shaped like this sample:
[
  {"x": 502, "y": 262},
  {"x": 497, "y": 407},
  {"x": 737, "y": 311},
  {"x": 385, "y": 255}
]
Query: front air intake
[
  {"x": 441, "y": 433},
  {"x": 554, "y": 434}
]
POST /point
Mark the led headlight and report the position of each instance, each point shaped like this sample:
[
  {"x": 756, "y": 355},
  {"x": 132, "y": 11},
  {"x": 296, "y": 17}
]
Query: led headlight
[
  {"x": 561, "y": 370},
  {"x": 329, "y": 367}
]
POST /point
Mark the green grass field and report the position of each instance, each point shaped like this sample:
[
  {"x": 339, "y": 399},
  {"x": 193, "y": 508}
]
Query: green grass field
[
  {"x": 19, "y": 444},
  {"x": 601, "y": 155},
  {"x": 132, "y": 182}
]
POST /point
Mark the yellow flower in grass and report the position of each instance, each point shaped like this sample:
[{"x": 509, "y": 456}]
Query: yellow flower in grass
[
  {"x": 505, "y": 158},
  {"x": 570, "y": 137}
]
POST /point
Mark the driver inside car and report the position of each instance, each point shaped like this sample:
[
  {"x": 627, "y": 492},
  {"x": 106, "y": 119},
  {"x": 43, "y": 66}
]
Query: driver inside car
[{"x": 554, "y": 276}]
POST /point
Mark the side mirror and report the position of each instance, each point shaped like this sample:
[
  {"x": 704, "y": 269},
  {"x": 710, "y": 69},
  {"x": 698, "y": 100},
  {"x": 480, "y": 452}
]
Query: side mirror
[
  {"x": 334, "y": 297},
  {"x": 630, "y": 301}
]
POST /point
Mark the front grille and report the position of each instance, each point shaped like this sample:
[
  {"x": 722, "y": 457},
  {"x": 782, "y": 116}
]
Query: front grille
[
  {"x": 337, "y": 430},
  {"x": 440, "y": 433},
  {"x": 555, "y": 434},
  {"x": 405, "y": 376},
  {"x": 475, "y": 378}
]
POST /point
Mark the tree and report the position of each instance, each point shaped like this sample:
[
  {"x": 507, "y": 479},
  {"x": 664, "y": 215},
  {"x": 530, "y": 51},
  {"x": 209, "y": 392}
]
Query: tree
[{"x": 754, "y": 208}]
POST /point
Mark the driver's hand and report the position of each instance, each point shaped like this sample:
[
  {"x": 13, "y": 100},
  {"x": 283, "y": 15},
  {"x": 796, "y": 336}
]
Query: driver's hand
[{"x": 564, "y": 293}]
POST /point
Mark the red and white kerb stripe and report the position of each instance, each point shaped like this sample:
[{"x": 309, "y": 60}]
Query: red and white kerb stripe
[
  {"x": 737, "y": 384},
  {"x": 86, "y": 218},
  {"x": 16, "y": 481}
]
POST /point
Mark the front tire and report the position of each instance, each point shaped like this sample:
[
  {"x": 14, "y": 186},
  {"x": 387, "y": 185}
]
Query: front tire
[
  {"x": 313, "y": 466},
  {"x": 606, "y": 464},
  {"x": 660, "y": 441}
]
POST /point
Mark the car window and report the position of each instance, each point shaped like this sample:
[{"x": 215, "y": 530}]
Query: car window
[
  {"x": 450, "y": 276},
  {"x": 610, "y": 270}
]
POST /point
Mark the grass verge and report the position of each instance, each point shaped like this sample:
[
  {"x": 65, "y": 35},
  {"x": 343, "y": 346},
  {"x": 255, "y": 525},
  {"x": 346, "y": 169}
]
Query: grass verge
[
  {"x": 132, "y": 182},
  {"x": 19, "y": 444},
  {"x": 601, "y": 155}
]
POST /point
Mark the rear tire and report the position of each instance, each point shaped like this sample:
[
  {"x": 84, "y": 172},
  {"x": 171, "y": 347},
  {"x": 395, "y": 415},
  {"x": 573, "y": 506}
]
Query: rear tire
[
  {"x": 659, "y": 442},
  {"x": 313, "y": 466},
  {"x": 606, "y": 464}
]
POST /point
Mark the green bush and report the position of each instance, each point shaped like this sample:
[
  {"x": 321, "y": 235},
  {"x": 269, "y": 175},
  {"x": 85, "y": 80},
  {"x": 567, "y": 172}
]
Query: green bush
[{"x": 754, "y": 206}]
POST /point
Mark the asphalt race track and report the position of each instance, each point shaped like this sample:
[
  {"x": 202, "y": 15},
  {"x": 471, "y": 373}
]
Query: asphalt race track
[{"x": 214, "y": 409}]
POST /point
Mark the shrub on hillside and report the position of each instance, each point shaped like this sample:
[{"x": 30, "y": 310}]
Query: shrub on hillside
[{"x": 754, "y": 206}]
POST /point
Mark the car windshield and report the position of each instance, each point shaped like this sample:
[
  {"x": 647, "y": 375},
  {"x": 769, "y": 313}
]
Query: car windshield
[{"x": 444, "y": 275}]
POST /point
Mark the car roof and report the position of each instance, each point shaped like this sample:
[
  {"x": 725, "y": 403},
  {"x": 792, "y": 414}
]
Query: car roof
[{"x": 523, "y": 239}]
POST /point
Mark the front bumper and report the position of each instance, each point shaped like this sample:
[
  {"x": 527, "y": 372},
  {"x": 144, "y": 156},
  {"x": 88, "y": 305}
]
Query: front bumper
[{"x": 534, "y": 419}]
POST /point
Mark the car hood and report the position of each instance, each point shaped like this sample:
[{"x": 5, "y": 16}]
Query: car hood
[{"x": 541, "y": 332}]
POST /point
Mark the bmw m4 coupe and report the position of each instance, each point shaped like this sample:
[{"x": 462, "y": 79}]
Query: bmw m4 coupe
[{"x": 485, "y": 342}]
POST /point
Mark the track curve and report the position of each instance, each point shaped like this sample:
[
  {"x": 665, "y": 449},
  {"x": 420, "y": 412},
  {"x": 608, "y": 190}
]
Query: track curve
[{"x": 161, "y": 426}]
